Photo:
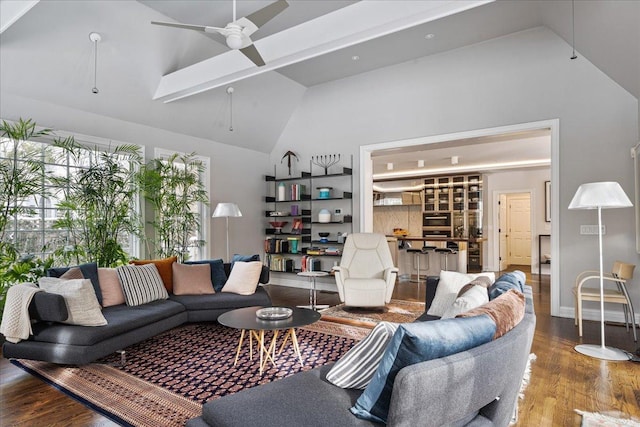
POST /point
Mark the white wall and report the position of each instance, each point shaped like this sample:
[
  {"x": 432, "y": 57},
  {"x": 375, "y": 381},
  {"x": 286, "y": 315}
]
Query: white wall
[
  {"x": 235, "y": 174},
  {"x": 514, "y": 182},
  {"x": 520, "y": 78}
]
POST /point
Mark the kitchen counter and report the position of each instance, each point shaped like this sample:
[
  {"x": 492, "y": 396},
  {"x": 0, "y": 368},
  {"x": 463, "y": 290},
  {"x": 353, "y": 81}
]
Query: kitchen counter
[{"x": 406, "y": 261}]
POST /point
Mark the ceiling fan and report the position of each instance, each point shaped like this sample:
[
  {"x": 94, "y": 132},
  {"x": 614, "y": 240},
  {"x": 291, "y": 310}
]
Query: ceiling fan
[{"x": 238, "y": 32}]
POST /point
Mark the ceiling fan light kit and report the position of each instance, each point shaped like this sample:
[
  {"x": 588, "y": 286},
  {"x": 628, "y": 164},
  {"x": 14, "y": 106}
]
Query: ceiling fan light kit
[{"x": 238, "y": 32}]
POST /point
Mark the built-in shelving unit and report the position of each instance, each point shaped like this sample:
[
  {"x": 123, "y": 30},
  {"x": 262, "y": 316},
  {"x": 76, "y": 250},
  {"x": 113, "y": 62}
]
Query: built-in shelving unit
[
  {"x": 302, "y": 193},
  {"x": 453, "y": 208}
]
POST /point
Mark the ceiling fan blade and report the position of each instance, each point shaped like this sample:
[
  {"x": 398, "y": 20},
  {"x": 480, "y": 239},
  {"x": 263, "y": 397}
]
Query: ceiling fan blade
[
  {"x": 252, "y": 53},
  {"x": 267, "y": 13},
  {"x": 203, "y": 28}
]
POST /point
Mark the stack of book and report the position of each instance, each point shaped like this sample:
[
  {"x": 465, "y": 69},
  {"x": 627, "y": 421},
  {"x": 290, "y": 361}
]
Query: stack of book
[
  {"x": 280, "y": 263},
  {"x": 274, "y": 245},
  {"x": 309, "y": 263},
  {"x": 297, "y": 190}
]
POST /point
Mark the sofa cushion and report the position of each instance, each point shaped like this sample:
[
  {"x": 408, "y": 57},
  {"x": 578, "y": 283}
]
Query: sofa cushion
[
  {"x": 192, "y": 279},
  {"x": 222, "y": 300},
  {"x": 80, "y": 298},
  {"x": 244, "y": 258},
  {"x": 89, "y": 271},
  {"x": 244, "y": 277},
  {"x": 120, "y": 319},
  {"x": 218, "y": 275},
  {"x": 414, "y": 343},
  {"x": 469, "y": 297},
  {"x": 507, "y": 311},
  {"x": 448, "y": 287},
  {"x": 356, "y": 368},
  {"x": 307, "y": 400},
  {"x": 512, "y": 280},
  {"x": 110, "y": 287},
  {"x": 164, "y": 268},
  {"x": 141, "y": 284}
]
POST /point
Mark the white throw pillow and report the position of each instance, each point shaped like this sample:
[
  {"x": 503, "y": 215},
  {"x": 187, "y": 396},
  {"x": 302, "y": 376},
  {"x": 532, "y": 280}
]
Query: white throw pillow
[
  {"x": 244, "y": 278},
  {"x": 80, "y": 298},
  {"x": 141, "y": 284},
  {"x": 448, "y": 287},
  {"x": 358, "y": 366},
  {"x": 474, "y": 297}
]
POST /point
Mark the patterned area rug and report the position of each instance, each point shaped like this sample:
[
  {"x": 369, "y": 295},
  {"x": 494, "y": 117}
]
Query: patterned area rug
[
  {"x": 398, "y": 311},
  {"x": 595, "y": 419},
  {"x": 167, "y": 378}
]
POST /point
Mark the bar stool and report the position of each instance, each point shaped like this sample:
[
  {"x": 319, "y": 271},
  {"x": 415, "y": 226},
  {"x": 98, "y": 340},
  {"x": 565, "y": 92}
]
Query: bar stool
[
  {"x": 416, "y": 258},
  {"x": 444, "y": 253}
]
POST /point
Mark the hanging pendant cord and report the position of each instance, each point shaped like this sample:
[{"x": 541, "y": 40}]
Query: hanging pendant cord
[
  {"x": 231, "y": 112},
  {"x": 573, "y": 29}
]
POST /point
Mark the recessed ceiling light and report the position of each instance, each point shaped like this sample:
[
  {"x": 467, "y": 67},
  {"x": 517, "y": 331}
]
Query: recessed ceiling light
[
  {"x": 355, "y": 58},
  {"x": 420, "y": 163},
  {"x": 389, "y": 166},
  {"x": 429, "y": 36}
]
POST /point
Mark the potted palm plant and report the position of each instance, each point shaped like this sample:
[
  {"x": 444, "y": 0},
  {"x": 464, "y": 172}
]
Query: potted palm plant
[{"x": 173, "y": 187}]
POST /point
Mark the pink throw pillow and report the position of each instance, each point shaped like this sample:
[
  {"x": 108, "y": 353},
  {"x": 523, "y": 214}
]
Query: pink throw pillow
[
  {"x": 110, "y": 287},
  {"x": 192, "y": 279}
]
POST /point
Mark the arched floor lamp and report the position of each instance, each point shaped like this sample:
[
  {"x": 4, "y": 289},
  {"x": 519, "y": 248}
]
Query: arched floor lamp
[
  {"x": 227, "y": 210},
  {"x": 600, "y": 195}
]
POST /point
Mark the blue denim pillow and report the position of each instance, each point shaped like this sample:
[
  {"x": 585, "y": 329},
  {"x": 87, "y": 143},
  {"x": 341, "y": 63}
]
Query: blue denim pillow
[
  {"x": 513, "y": 280},
  {"x": 244, "y": 258},
  {"x": 89, "y": 271},
  {"x": 218, "y": 276},
  {"x": 414, "y": 343}
]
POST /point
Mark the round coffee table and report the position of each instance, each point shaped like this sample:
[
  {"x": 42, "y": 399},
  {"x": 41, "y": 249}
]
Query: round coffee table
[{"x": 245, "y": 319}]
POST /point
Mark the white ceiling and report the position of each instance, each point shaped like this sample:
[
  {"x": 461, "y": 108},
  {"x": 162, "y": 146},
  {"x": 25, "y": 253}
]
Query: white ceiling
[{"x": 46, "y": 55}]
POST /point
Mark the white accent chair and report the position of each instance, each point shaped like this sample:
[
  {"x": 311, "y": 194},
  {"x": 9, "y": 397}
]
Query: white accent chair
[{"x": 366, "y": 275}]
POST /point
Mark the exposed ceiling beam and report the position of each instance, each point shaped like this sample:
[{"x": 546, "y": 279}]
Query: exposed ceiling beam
[
  {"x": 357, "y": 23},
  {"x": 12, "y": 10}
]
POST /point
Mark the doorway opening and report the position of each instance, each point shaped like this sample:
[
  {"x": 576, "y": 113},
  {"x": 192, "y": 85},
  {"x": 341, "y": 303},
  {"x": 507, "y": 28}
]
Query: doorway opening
[
  {"x": 368, "y": 152},
  {"x": 514, "y": 231}
]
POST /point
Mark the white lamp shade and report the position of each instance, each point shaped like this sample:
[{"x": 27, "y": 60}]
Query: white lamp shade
[
  {"x": 226, "y": 210},
  {"x": 605, "y": 195}
]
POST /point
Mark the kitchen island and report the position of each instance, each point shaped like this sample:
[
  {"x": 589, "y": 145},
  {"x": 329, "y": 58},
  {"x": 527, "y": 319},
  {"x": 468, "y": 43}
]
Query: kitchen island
[{"x": 468, "y": 248}]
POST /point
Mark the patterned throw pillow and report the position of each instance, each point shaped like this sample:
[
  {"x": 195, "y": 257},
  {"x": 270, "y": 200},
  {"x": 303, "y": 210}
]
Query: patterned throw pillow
[
  {"x": 414, "y": 343},
  {"x": 164, "y": 268},
  {"x": 141, "y": 284},
  {"x": 80, "y": 298},
  {"x": 192, "y": 279},
  {"x": 507, "y": 311},
  {"x": 356, "y": 368}
]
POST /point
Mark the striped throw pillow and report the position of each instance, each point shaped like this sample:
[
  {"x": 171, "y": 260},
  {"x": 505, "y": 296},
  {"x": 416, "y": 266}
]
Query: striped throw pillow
[
  {"x": 356, "y": 368},
  {"x": 141, "y": 284}
]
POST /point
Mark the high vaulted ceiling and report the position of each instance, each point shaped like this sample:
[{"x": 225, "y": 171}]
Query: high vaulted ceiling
[{"x": 46, "y": 54}]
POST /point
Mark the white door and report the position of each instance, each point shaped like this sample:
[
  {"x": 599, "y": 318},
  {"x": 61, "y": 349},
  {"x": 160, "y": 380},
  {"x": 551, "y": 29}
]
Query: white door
[
  {"x": 519, "y": 219},
  {"x": 502, "y": 231}
]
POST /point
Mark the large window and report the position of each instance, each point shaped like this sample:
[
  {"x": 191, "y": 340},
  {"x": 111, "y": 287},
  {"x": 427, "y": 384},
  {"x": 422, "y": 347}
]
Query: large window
[
  {"x": 196, "y": 245},
  {"x": 37, "y": 229}
]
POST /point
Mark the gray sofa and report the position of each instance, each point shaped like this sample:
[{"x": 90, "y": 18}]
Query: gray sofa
[
  {"x": 78, "y": 345},
  {"x": 478, "y": 387}
]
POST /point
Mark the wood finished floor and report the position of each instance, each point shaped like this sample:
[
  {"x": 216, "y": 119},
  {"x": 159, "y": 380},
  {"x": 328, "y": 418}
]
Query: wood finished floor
[{"x": 561, "y": 379}]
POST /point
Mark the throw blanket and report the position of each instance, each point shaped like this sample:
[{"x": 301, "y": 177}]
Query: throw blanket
[{"x": 16, "y": 324}]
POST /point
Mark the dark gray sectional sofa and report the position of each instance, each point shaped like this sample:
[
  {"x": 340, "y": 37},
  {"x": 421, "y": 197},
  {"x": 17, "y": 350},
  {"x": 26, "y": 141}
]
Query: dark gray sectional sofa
[
  {"x": 477, "y": 387},
  {"x": 78, "y": 345}
]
